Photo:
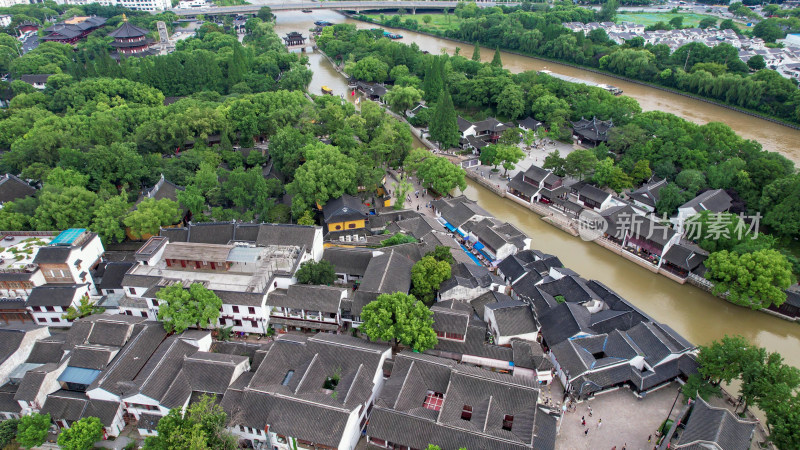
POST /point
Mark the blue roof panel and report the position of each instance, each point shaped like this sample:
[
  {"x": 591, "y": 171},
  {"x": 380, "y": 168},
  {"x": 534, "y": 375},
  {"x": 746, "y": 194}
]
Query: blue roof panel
[
  {"x": 67, "y": 237},
  {"x": 78, "y": 375}
]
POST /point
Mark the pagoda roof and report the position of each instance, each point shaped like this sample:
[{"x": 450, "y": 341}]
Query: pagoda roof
[{"x": 126, "y": 31}]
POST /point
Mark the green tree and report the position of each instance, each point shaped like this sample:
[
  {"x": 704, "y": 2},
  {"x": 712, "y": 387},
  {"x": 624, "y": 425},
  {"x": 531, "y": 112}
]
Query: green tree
[
  {"x": 756, "y": 280},
  {"x": 553, "y": 161},
  {"x": 311, "y": 272},
  {"x": 641, "y": 171},
  {"x": 692, "y": 180},
  {"x": 401, "y": 189},
  {"x": 8, "y": 431},
  {"x": 107, "y": 221},
  {"x": 608, "y": 174},
  {"x": 707, "y": 22},
  {"x": 397, "y": 239},
  {"x": 426, "y": 276},
  {"x": 441, "y": 175},
  {"x": 727, "y": 24},
  {"x": 783, "y": 415},
  {"x": 508, "y": 156},
  {"x": 511, "y": 102},
  {"x": 488, "y": 156},
  {"x": 32, "y": 430},
  {"x": 306, "y": 219},
  {"x": 326, "y": 174},
  {"x": 401, "y": 98},
  {"x": 192, "y": 199},
  {"x": 427, "y": 18},
  {"x": 496, "y": 60},
  {"x": 697, "y": 385},
  {"x": 81, "y": 435},
  {"x": 62, "y": 208},
  {"x": 444, "y": 123},
  {"x": 676, "y": 22},
  {"x": 265, "y": 14},
  {"x": 756, "y": 62},
  {"x": 200, "y": 426},
  {"x": 442, "y": 253},
  {"x": 401, "y": 319},
  {"x": 85, "y": 308},
  {"x": 476, "y": 52},
  {"x": 608, "y": 12},
  {"x": 724, "y": 361},
  {"x": 150, "y": 215},
  {"x": 769, "y": 30},
  {"x": 182, "y": 308},
  {"x": 580, "y": 163},
  {"x": 433, "y": 80},
  {"x": 670, "y": 197},
  {"x": 370, "y": 69}
]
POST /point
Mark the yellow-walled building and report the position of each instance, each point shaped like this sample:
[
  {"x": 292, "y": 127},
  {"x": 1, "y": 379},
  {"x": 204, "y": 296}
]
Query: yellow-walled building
[{"x": 345, "y": 213}]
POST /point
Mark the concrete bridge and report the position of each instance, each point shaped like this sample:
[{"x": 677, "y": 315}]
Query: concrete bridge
[{"x": 356, "y": 6}]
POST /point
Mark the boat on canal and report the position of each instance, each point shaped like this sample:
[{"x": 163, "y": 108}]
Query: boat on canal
[
  {"x": 306, "y": 11},
  {"x": 327, "y": 90}
]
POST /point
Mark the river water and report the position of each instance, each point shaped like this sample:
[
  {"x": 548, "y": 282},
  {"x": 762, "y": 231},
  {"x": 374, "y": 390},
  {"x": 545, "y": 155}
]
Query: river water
[{"x": 695, "y": 314}]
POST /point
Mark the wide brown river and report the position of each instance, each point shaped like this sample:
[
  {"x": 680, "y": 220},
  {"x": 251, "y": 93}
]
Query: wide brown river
[{"x": 695, "y": 314}]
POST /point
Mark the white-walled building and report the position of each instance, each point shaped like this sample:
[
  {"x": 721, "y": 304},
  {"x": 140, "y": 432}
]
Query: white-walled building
[
  {"x": 48, "y": 303},
  {"x": 70, "y": 257}
]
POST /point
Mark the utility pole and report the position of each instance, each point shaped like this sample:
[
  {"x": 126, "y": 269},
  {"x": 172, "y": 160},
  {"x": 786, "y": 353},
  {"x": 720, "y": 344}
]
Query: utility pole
[{"x": 687, "y": 59}]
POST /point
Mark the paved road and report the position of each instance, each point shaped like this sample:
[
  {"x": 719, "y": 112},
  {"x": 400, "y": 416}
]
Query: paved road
[
  {"x": 30, "y": 43},
  {"x": 341, "y": 5}
]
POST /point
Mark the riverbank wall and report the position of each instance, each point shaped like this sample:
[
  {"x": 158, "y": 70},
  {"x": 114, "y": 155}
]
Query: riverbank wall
[{"x": 600, "y": 72}]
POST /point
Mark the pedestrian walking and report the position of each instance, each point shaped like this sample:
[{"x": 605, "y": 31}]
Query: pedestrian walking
[
  {"x": 649, "y": 437},
  {"x": 599, "y": 423},
  {"x": 624, "y": 445},
  {"x": 583, "y": 422},
  {"x": 586, "y": 432}
]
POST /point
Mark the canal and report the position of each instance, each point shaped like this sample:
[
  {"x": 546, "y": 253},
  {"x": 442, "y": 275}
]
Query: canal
[
  {"x": 695, "y": 314},
  {"x": 772, "y": 136}
]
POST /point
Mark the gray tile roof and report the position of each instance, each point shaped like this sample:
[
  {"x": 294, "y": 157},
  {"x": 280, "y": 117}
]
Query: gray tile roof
[
  {"x": 46, "y": 351},
  {"x": 10, "y": 340},
  {"x": 108, "y": 332},
  {"x": 119, "y": 375},
  {"x": 296, "y": 404},
  {"x": 7, "y": 402},
  {"x": 529, "y": 355},
  {"x": 52, "y": 295},
  {"x": 648, "y": 193},
  {"x": 142, "y": 281},
  {"x": 90, "y": 357},
  {"x": 211, "y": 232},
  {"x": 399, "y": 415},
  {"x": 474, "y": 344},
  {"x": 308, "y": 297},
  {"x": 240, "y": 298},
  {"x": 52, "y": 255},
  {"x": 65, "y": 405},
  {"x": 351, "y": 261},
  {"x": 12, "y": 188},
  {"x": 285, "y": 234},
  {"x": 716, "y": 200},
  {"x": 563, "y": 322},
  {"x": 486, "y": 298},
  {"x": 388, "y": 273},
  {"x": 344, "y": 208},
  {"x": 163, "y": 367},
  {"x": 113, "y": 275},
  {"x": 459, "y": 210},
  {"x": 572, "y": 288},
  {"x": 513, "y": 318},
  {"x": 450, "y": 320},
  {"x": 517, "y": 183},
  {"x": 719, "y": 426},
  {"x": 651, "y": 342}
]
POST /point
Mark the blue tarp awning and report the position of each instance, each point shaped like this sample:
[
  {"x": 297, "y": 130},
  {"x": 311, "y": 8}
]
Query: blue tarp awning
[
  {"x": 486, "y": 255},
  {"x": 449, "y": 227},
  {"x": 478, "y": 245},
  {"x": 459, "y": 232},
  {"x": 78, "y": 375}
]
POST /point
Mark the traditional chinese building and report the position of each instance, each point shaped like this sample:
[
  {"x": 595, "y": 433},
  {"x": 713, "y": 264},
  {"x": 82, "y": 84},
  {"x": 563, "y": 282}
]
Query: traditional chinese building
[
  {"x": 130, "y": 39},
  {"x": 72, "y": 30},
  {"x": 294, "y": 38}
]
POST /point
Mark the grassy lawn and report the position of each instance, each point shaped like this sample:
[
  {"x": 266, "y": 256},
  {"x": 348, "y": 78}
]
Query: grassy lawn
[
  {"x": 647, "y": 19},
  {"x": 438, "y": 21}
]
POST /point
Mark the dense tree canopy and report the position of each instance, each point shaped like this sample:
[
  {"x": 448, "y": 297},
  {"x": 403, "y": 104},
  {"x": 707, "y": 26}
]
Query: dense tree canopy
[
  {"x": 755, "y": 279},
  {"x": 181, "y": 308},
  {"x": 311, "y": 272},
  {"x": 399, "y": 318},
  {"x": 426, "y": 276}
]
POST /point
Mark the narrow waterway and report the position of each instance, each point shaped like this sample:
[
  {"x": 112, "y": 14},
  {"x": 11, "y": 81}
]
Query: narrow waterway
[
  {"x": 695, "y": 314},
  {"x": 772, "y": 136}
]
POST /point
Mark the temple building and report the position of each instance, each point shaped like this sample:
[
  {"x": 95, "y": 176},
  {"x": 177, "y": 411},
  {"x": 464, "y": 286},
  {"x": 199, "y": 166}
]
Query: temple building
[
  {"x": 72, "y": 30},
  {"x": 294, "y": 38},
  {"x": 130, "y": 39}
]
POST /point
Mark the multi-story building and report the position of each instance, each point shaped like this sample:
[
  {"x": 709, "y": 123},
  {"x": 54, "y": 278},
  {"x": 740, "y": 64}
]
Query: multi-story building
[
  {"x": 240, "y": 273},
  {"x": 70, "y": 257},
  {"x": 48, "y": 304}
]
